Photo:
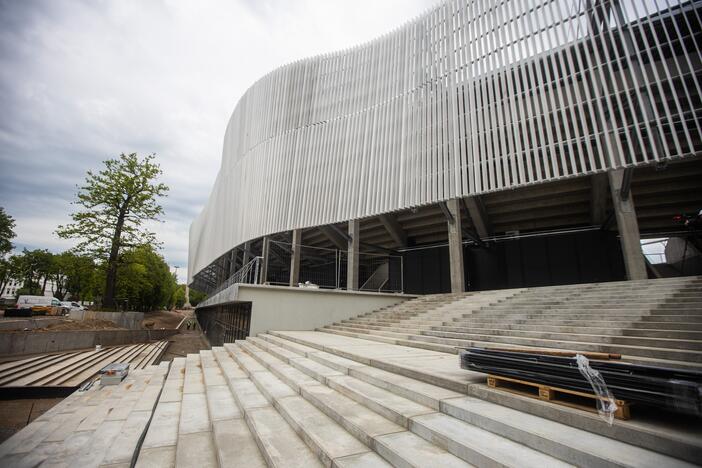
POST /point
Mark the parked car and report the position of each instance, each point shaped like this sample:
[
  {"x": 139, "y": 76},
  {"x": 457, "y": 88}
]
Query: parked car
[
  {"x": 71, "y": 306},
  {"x": 42, "y": 305}
]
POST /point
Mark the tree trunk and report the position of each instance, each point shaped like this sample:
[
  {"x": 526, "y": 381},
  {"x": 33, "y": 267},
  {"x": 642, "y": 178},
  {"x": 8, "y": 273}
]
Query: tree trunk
[
  {"x": 108, "y": 300},
  {"x": 43, "y": 286}
]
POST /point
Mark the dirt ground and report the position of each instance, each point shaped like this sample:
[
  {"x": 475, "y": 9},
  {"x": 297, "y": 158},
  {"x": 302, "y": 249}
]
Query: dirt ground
[
  {"x": 165, "y": 318},
  {"x": 187, "y": 341},
  {"x": 68, "y": 325}
]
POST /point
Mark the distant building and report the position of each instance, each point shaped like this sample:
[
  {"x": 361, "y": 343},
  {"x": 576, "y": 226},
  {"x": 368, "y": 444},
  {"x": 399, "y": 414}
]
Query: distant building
[{"x": 10, "y": 291}]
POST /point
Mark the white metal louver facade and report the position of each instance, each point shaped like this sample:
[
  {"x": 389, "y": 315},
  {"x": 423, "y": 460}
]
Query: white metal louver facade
[{"x": 468, "y": 98}]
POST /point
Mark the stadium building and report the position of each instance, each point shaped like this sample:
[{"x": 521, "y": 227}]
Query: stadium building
[{"x": 482, "y": 145}]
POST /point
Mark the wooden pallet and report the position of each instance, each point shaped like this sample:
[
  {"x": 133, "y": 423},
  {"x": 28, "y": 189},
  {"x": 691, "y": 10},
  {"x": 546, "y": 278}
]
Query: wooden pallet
[{"x": 559, "y": 396}]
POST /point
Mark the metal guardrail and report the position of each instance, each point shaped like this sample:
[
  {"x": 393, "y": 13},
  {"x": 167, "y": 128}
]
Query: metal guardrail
[
  {"x": 249, "y": 273},
  {"x": 322, "y": 267}
]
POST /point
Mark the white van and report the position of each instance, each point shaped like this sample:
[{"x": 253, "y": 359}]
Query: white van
[{"x": 41, "y": 305}]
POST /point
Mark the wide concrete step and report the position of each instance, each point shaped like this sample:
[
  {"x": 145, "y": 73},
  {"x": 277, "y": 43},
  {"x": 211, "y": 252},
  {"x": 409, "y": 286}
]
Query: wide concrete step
[
  {"x": 334, "y": 423},
  {"x": 468, "y": 340},
  {"x": 599, "y": 315},
  {"x": 375, "y": 362},
  {"x": 566, "y": 443},
  {"x": 582, "y": 335},
  {"x": 278, "y": 441},
  {"x": 464, "y": 440},
  {"x": 497, "y": 328},
  {"x": 502, "y": 328}
]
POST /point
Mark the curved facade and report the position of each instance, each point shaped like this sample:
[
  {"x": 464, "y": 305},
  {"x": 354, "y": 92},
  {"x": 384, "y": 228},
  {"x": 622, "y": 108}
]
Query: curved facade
[{"x": 469, "y": 98}]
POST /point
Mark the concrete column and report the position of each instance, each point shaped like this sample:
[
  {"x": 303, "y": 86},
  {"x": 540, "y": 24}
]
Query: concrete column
[
  {"x": 187, "y": 297},
  {"x": 295, "y": 257},
  {"x": 628, "y": 228},
  {"x": 265, "y": 253},
  {"x": 455, "y": 242},
  {"x": 352, "y": 260}
]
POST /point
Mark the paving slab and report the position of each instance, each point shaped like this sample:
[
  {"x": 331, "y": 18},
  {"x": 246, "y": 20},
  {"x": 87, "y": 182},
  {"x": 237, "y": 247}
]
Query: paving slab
[
  {"x": 163, "y": 430},
  {"x": 327, "y": 439},
  {"x": 196, "y": 450},
  {"x": 160, "y": 457},
  {"x": 193, "y": 414},
  {"x": 279, "y": 444},
  {"x": 235, "y": 444},
  {"x": 405, "y": 449}
]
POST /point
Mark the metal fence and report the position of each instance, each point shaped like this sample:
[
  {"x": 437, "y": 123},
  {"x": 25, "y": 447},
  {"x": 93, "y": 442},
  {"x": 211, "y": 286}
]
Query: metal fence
[
  {"x": 225, "y": 323},
  {"x": 327, "y": 268}
]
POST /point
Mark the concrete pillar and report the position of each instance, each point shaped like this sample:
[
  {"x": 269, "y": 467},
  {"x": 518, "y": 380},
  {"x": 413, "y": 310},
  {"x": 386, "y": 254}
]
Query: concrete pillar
[
  {"x": 187, "y": 297},
  {"x": 352, "y": 260},
  {"x": 265, "y": 253},
  {"x": 628, "y": 228},
  {"x": 455, "y": 242},
  {"x": 295, "y": 257}
]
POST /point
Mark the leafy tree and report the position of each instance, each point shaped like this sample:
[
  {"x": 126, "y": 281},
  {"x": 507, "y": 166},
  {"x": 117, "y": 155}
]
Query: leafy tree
[
  {"x": 9, "y": 269},
  {"x": 144, "y": 281},
  {"x": 33, "y": 267},
  {"x": 72, "y": 274},
  {"x": 7, "y": 233},
  {"x": 79, "y": 271},
  {"x": 116, "y": 202},
  {"x": 196, "y": 297}
]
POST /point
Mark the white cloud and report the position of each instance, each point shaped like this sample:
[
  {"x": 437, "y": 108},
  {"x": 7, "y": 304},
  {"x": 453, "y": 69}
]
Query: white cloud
[{"x": 84, "y": 81}]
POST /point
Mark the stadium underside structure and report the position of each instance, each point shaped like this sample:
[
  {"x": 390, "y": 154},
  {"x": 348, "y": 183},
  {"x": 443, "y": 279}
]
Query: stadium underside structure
[{"x": 482, "y": 145}]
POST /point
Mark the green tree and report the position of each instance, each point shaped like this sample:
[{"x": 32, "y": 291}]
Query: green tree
[
  {"x": 196, "y": 297},
  {"x": 80, "y": 275},
  {"x": 144, "y": 282},
  {"x": 9, "y": 269},
  {"x": 72, "y": 274},
  {"x": 116, "y": 202},
  {"x": 33, "y": 267},
  {"x": 7, "y": 233}
]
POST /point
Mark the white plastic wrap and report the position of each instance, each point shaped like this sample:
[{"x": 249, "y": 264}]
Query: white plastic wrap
[{"x": 606, "y": 404}]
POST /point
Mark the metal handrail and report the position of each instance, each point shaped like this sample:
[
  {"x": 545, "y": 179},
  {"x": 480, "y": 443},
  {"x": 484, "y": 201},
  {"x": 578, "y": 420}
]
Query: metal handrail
[{"x": 249, "y": 273}]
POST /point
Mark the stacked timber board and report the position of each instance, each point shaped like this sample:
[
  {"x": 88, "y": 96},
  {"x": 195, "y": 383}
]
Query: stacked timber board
[{"x": 69, "y": 370}]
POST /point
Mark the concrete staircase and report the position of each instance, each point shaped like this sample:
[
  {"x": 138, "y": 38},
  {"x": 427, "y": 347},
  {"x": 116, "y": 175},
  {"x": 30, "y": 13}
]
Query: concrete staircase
[
  {"x": 645, "y": 321},
  {"x": 315, "y": 399},
  {"x": 348, "y": 397}
]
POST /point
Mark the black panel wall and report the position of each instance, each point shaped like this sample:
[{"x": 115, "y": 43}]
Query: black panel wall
[{"x": 584, "y": 257}]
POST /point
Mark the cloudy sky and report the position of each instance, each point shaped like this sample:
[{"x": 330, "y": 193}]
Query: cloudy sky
[{"x": 83, "y": 81}]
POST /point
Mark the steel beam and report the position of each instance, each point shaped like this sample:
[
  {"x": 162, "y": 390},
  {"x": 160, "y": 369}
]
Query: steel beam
[
  {"x": 478, "y": 215},
  {"x": 394, "y": 229},
  {"x": 335, "y": 238}
]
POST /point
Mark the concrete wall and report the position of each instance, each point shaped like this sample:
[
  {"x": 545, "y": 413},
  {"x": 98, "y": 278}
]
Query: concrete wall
[
  {"x": 20, "y": 323},
  {"x": 130, "y": 320},
  {"x": 17, "y": 343},
  {"x": 286, "y": 308}
]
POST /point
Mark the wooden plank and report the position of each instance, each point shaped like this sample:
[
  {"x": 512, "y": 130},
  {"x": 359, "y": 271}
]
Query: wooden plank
[{"x": 554, "y": 395}]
